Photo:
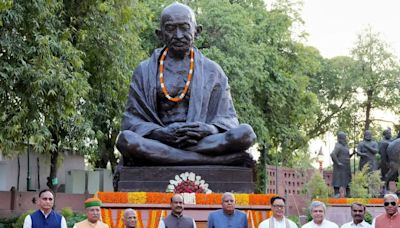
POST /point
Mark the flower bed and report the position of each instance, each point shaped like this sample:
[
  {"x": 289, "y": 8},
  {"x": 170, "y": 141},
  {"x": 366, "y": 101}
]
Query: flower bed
[
  {"x": 164, "y": 198},
  {"x": 348, "y": 201}
]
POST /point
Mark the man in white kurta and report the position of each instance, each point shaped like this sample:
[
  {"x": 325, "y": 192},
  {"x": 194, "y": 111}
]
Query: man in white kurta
[
  {"x": 278, "y": 219},
  {"x": 357, "y": 213},
  {"x": 318, "y": 210}
]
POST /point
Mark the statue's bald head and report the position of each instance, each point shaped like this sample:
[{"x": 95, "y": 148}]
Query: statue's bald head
[
  {"x": 177, "y": 8},
  {"x": 178, "y": 29}
]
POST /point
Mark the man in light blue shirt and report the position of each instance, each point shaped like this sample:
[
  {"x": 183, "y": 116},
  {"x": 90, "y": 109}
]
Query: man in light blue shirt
[
  {"x": 228, "y": 216},
  {"x": 358, "y": 213}
]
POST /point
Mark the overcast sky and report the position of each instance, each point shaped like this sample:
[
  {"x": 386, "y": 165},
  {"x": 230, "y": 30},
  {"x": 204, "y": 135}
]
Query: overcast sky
[{"x": 333, "y": 25}]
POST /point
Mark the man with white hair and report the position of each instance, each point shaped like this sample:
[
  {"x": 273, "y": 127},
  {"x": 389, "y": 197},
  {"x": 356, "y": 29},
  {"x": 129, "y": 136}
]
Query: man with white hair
[
  {"x": 318, "y": 210},
  {"x": 391, "y": 217},
  {"x": 228, "y": 216},
  {"x": 130, "y": 218}
]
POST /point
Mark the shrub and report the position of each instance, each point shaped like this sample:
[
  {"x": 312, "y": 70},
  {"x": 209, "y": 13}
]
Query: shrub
[
  {"x": 67, "y": 212},
  {"x": 295, "y": 219},
  {"x": 316, "y": 187},
  {"x": 365, "y": 185},
  {"x": 20, "y": 221},
  {"x": 359, "y": 184},
  {"x": 368, "y": 217},
  {"x": 74, "y": 218},
  {"x": 7, "y": 222},
  {"x": 375, "y": 183}
]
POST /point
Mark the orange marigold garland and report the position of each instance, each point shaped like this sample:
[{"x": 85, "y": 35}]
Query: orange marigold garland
[
  {"x": 257, "y": 217},
  {"x": 106, "y": 216},
  {"x": 154, "y": 218},
  {"x": 158, "y": 198},
  {"x": 139, "y": 223},
  {"x": 260, "y": 199},
  {"x": 378, "y": 201},
  {"x": 268, "y": 214},
  {"x": 120, "y": 215},
  {"x": 241, "y": 199},
  {"x": 208, "y": 199},
  {"x": 113, "y": 197},
  {"x": 137, "y": 197},
  {"x": 190, "y": 74},
  {"x": 164, "y": 198}
]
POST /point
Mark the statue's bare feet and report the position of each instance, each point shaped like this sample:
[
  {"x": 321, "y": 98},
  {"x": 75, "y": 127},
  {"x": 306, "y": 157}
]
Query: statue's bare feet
[{"x": 237, "y": 159}]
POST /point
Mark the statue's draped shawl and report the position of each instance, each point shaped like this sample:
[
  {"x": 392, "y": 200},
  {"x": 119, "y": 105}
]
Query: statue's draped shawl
[{"x": 210, "y": 99}]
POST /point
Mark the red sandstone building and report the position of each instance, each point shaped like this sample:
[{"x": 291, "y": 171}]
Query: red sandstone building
[{"x": 289, "y": 181}]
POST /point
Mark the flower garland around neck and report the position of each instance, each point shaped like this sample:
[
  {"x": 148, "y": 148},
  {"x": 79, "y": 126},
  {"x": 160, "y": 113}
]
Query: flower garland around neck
[{"x": 190, "y": 74}]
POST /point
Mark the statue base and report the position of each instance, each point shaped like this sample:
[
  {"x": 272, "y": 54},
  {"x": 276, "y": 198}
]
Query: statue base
[{"x": 156, "y": 178}]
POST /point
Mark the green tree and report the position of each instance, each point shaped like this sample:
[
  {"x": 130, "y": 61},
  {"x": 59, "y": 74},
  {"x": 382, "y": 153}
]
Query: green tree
[
  {"x": 316, "y": 187},
  {"x": 108, "y": 33},
  {"x": 334, "y": 85},
  {"x": 378, "y": 74},
  {"x": 43, "y": 83}
]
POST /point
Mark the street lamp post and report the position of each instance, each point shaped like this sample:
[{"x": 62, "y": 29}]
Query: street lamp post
[{"x": 320, "y": 158}]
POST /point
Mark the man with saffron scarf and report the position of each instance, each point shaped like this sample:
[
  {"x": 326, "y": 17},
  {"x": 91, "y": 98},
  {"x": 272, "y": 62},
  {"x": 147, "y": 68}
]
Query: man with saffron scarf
[{"x": 180, "y": 110}]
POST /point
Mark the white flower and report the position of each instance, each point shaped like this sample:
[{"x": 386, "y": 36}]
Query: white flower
[
  {"x": 185, "y": 177},
  {"x": 170, "y": 188},
  {"x": 192, "y": 176}
]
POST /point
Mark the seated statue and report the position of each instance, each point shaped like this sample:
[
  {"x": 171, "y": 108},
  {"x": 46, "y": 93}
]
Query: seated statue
[{"x": 180, "y": 110}]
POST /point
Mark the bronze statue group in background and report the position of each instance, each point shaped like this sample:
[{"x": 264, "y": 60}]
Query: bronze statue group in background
[{"x": 388, "y": 150}]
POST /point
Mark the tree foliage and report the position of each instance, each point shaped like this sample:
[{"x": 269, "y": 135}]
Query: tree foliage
[
  {"x": 316, "y": 187},
  {"x": 65, "y": 72},
  {"x": 377, "y": 72},
  {"x": 43, "y": 82}
]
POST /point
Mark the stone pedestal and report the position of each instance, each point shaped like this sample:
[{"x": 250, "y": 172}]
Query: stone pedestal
[{"x": 156, "y": 178}]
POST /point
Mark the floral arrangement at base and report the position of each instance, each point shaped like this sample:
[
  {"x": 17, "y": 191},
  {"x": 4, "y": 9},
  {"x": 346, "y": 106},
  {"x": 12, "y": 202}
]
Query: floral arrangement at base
[
  {"x": 348, "y": 201},
  {"x": 165, "y": 198},
  {"x": 188, "y": 183}
]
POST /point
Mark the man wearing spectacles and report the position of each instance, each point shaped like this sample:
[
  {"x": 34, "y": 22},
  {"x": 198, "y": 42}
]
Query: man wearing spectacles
[
  {"x": 278, "y": 219},
  {"x": 358, "y": 213},
  {"x": 45, "y": 216},
  {"x": 318, "y": 211},
  {"x": 391, "y": 217}
]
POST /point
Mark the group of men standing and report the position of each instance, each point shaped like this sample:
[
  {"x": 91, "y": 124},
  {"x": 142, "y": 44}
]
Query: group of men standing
[{"x": 226, "y": 217}]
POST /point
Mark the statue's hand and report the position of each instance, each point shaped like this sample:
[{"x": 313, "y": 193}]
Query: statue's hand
[
  {"x": 198, "y": 130},
  {"x": 168, "y": 135}
]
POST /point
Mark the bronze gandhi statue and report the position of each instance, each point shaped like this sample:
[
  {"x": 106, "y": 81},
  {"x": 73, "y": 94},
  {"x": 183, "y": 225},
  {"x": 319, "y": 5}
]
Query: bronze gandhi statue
[{"x": 180, "y": 110}]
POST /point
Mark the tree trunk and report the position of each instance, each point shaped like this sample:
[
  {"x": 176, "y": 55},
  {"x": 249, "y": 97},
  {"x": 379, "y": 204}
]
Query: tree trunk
[
  {"x": 54, "y": 154},
  {"x": 368, "y": 110},
  {"x": 53, "y": 170}
]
